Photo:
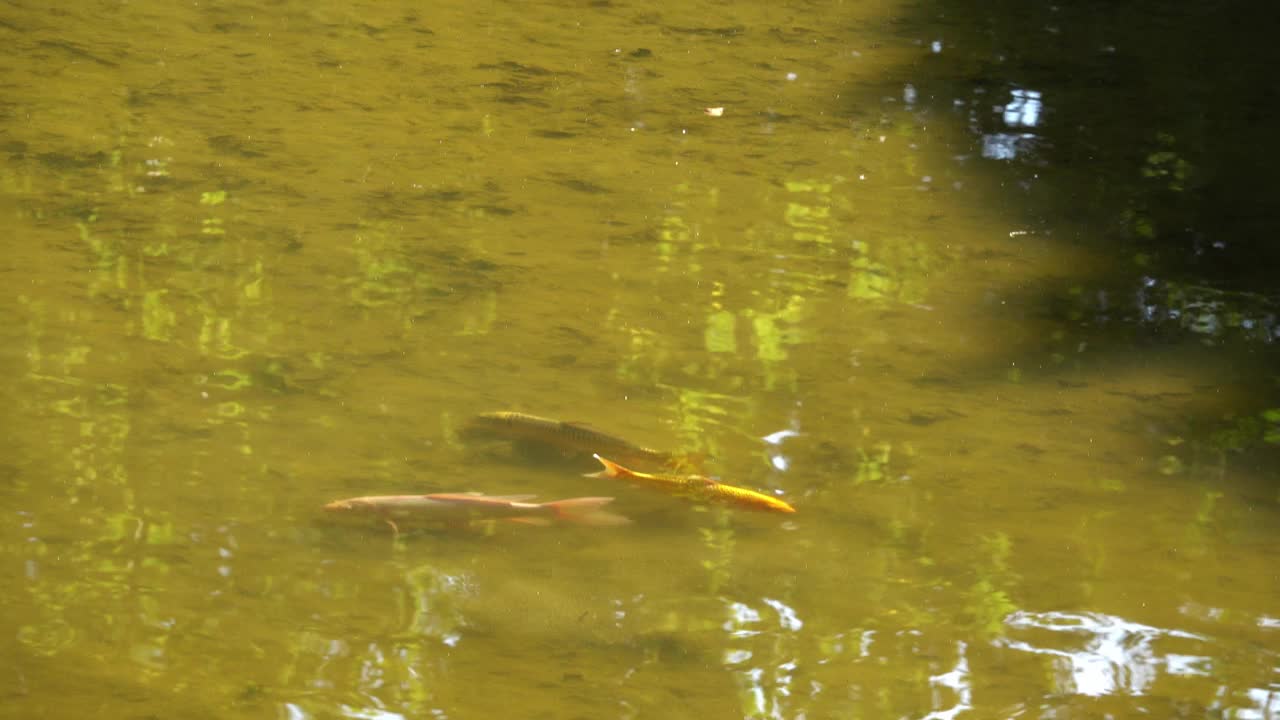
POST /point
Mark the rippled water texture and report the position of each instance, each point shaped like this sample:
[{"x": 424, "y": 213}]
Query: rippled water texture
[{"x": 957, "y": 302}]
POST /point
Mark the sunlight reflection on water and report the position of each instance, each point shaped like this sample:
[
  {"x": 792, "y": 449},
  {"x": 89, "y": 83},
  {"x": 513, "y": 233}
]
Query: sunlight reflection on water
[
  {"x": 1117, "y": 656},
  {"x": 774, "y": 440},
  {"x": 293, "y": 711},
  {"x": 1267, "y": 702},
  {"x": 371, "y": 714},
  {"x": 764, "y": 688},
  {"x": 957, "y": 680}
]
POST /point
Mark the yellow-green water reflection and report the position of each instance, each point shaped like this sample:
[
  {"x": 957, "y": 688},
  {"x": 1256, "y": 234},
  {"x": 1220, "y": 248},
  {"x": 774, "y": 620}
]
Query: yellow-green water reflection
[{"x": 262, "y": 258}]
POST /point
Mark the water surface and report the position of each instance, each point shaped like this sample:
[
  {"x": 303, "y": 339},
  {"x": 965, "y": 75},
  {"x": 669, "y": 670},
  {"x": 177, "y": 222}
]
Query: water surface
[{"x": 260, "y": 258}]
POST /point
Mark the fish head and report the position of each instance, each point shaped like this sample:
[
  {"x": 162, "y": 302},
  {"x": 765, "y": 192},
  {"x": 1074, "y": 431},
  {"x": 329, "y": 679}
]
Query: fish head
[
  {"x": 348, "y": 505},
  {"x": 778, "y": 505}
]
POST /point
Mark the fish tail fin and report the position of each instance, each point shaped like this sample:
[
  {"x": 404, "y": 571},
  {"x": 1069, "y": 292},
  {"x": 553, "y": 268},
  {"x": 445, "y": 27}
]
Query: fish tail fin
[
  {"x": 586, "y": 511},
  {"x": 611, "y": 469}
]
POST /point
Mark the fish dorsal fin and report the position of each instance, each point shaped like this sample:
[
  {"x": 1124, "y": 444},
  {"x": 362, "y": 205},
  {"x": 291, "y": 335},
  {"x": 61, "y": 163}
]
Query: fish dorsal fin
[{"x": 480, "y": 496}]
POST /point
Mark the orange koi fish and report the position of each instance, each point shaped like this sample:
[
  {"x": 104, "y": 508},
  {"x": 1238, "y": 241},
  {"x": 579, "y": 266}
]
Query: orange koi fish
[
  {"x": 467, "y": 507},
  {"x": 565, "y": 437},
  {"x": 698, "y": 487}
]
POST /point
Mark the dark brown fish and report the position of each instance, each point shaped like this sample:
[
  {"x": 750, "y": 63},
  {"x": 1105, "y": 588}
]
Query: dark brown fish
[{"x": 567, "y": 438}]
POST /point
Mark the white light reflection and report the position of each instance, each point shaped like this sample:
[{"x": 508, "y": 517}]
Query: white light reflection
[
  {"x": 778, "y": 437},
  {"x": 776, "y": 458},
  {"x": 1207, "y": 311},
  {"x": 1005, "y": 146},
  {"x": 1022, "y": 111},
  {"x": 957, "y": 679},
  {"x": 1267, "y": 705},
  {"x": 755, "y": 676},
  {"x": 435, "y": 604},
  {"x": 786, "y": 616},
  {"x": 769, "y": 681},
  {"x": 1117, "y": 656},
  {"x": 370, "y": 714},
  {"x": 741, "y": 614},
  {"x": 864, "y": 646}
]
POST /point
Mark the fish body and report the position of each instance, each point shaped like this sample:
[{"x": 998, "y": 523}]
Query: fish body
[
  {"x": 467, "y": 507},
  {"x": 698, "y": 487},
  {"x": 666, "y": 482},
  {"x": 566, "y": 437}
]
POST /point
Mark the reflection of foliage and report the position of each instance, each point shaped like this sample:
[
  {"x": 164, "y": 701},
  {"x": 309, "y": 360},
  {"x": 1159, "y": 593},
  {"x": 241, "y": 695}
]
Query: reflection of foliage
[
  {"x": 1200, "y": 528},
  {"x": 899, "y": 271},
  {"x": 214, "y": 197},
  {"x": 645, "y": 354},
  {"x": 873, "y": 466},
  {"x": 1271, "y": 433},
  {"x": 1207, "y": 504},
  {"x": 989, "y": 606},
  {"x": 809, "y": 216},
  {"x": 1244, "y": 432},
  {"x": 1167, "y": 166},
  {"x": 386, "y": 275},
  {"x": 988, "y": 601},
  {"x": 719, "y": 540},
  {"x": 1231, "y": 435},
  {"x": 437, "y": 598},
  {"x": 1210, "y": 312},
  {"x": 109, "y": 262},
  {"x": 721, "y": 333},
  {"x": 774, "y": 332},
  {"x": 700, "y": 416},
  {"x": 89, "y": 427},
  {"x": 674, "y": 232},
  {"x": 479, "y": 318},
  {"x": 1214, "y": 316},
  {"x": 212, "y": 225},
  {"x": 406, "y": 276},
  {"x": 1169, "y": 465},
  {"x": 158, "y": 319}
]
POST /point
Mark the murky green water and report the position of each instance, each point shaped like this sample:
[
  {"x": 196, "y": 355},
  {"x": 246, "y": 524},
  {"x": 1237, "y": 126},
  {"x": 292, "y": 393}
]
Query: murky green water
[{"x": 260, "y": 258}]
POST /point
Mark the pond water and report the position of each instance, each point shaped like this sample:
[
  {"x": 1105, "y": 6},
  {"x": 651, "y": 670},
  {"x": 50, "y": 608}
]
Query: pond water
[{"x": 262, "y": 257}]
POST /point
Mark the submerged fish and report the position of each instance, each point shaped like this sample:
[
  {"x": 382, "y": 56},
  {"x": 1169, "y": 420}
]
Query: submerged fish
[
  {"x": 566, "y": 437},
  {"x": 698, "y": 487},
  {"x": 466, "y": 507}
]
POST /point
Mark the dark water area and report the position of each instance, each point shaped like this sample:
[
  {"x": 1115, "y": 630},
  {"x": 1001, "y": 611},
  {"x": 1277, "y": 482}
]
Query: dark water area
[
  {"x": 984, "y": 290},
  {"x": 1159, "y": 134}
]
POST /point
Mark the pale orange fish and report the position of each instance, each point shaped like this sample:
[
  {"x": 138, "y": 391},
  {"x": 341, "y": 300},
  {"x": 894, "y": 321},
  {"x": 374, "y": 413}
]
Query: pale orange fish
[
  {"x": 698, "y": 487},
  {"x": 568, "y": 438},
  {"x": 466, "y": 507}
]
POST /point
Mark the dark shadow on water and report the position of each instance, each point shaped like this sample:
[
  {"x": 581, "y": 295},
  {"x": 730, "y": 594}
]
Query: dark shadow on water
[{"x": 1147, "y": 128}]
